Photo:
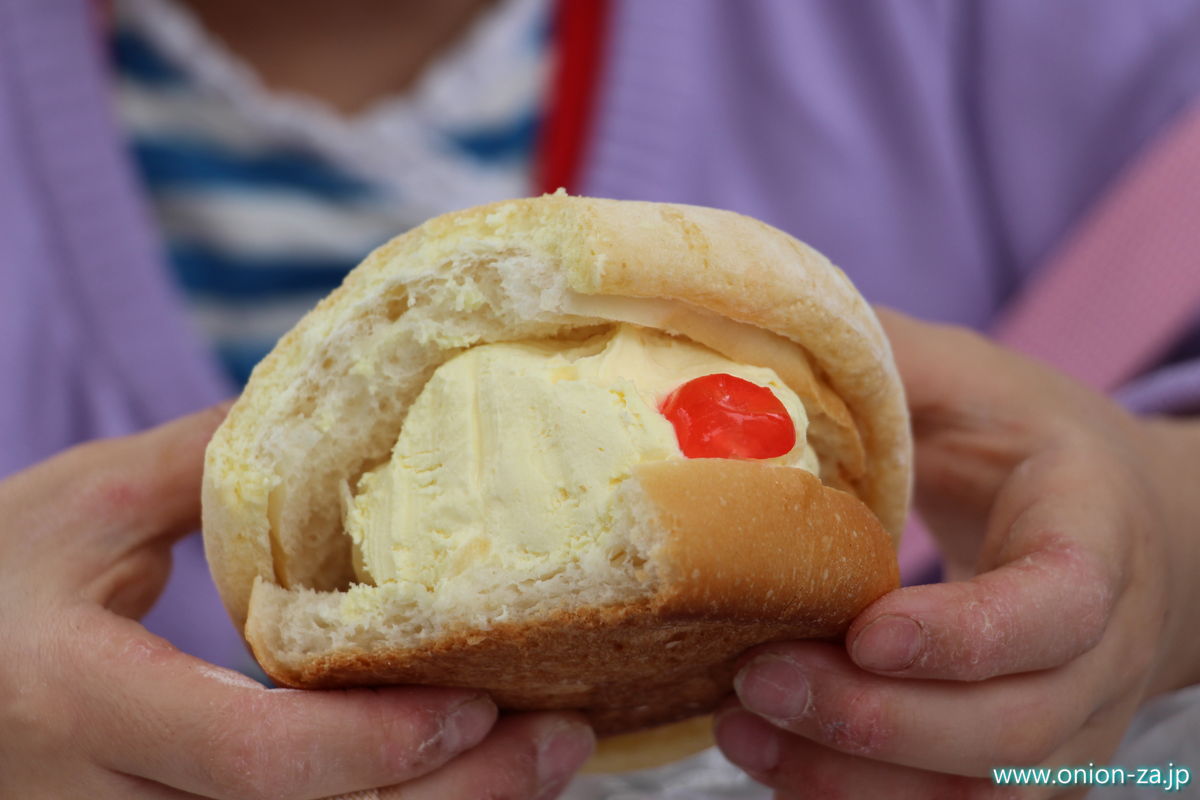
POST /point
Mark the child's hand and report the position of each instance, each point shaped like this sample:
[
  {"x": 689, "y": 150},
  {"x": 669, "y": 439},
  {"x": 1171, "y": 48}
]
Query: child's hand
[
  {"x": 1069, "y": 532},
  {"x": 92, "y": 705}
]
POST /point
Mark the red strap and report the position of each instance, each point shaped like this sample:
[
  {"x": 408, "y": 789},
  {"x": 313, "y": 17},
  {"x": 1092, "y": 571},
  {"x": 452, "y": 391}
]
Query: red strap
[
  {"x": 579, "y": 35},
  {"x": 101, "y": 14}
]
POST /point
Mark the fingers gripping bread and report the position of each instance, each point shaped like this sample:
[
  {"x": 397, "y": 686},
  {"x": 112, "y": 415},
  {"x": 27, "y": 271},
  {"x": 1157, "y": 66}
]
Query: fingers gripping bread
[{"x": 702, "y": 557}]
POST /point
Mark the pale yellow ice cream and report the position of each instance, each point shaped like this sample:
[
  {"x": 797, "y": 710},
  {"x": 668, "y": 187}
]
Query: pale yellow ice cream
[{"x": 514, "y": 451}]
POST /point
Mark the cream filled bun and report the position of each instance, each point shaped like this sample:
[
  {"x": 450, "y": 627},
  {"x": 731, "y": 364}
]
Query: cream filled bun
[{"x": 578, "y": 453}]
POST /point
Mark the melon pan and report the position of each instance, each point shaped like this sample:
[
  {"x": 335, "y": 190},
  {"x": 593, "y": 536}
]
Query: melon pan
[{"x": 722, "y": 554}]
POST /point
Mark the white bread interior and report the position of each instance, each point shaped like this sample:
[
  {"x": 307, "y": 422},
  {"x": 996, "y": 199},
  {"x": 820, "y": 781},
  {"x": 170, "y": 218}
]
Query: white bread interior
[{"x": 681, "y": 592}]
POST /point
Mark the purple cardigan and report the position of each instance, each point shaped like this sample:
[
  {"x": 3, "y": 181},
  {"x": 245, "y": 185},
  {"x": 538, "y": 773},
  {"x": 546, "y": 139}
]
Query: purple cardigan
[{"x": 935, "y": 150}]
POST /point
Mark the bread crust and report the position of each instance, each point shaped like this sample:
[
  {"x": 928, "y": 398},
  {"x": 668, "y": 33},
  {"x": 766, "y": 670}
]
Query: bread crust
[
  {"x": 746, "y": 541},
  {"x": 779, "y": 556}
]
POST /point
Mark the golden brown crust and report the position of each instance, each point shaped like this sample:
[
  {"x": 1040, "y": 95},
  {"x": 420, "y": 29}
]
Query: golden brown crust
[
  {"x": 778, "y": 556},
  {"x": 625, "y": 668},
  {"x": 747, "y": 541}
]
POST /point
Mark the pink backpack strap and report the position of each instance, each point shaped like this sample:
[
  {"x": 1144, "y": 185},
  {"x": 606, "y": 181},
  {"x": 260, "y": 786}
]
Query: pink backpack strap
[
  {"x": 1127, "y": 283},
  {"x": 1123, "y": 287}
]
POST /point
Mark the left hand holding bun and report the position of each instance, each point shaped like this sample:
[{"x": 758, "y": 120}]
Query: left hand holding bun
[
  {"x": 94, "y": 705},
  {"x": 1067, "y": 528}
]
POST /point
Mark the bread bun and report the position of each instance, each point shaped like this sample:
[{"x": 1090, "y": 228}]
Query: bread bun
[{"x": 704, "y": 558}]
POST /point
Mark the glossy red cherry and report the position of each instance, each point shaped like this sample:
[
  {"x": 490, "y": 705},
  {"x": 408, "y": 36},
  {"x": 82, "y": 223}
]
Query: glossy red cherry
[{"x": 722, "y": 416}]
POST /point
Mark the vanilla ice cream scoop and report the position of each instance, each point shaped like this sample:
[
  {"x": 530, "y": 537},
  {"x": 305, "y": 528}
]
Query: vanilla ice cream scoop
[{"x": 511, "y": 456}]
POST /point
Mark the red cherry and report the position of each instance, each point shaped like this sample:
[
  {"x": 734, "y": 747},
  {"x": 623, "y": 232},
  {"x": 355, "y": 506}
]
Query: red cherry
[{"x": 722, "y": 416}]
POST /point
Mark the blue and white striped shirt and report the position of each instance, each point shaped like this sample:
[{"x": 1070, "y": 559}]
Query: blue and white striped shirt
[{"x": 266, "y": 200}]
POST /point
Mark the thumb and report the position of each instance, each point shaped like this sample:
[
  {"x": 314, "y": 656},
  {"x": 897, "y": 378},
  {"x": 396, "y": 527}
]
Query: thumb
[
  {"x": 1057, "y": 548},
  {"x": 214, "y": 733}
]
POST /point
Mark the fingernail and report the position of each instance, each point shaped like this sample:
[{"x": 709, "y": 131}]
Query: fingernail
[
  {"x": 774, "y": 687},
  {"x": 561, "y": 751},
  {"x": 467, "y": 724},
  {"x": 748, "y": 741},
  {"x": 888, "y": 644}
]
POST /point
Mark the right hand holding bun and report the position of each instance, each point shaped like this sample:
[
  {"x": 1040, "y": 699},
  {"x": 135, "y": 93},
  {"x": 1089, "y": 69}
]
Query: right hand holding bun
[
  {"x": 94, "y": 705},
  {"x": 1068, "y": 533}
]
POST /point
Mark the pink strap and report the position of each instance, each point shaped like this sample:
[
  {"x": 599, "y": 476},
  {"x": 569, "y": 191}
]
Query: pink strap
[
  {"x": 1122, "y": 288},
  {"x": 1127, "y": 283}
]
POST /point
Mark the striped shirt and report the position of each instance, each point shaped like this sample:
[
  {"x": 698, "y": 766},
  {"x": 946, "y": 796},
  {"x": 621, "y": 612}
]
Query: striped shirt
[{"x": 267, "y": 200}]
